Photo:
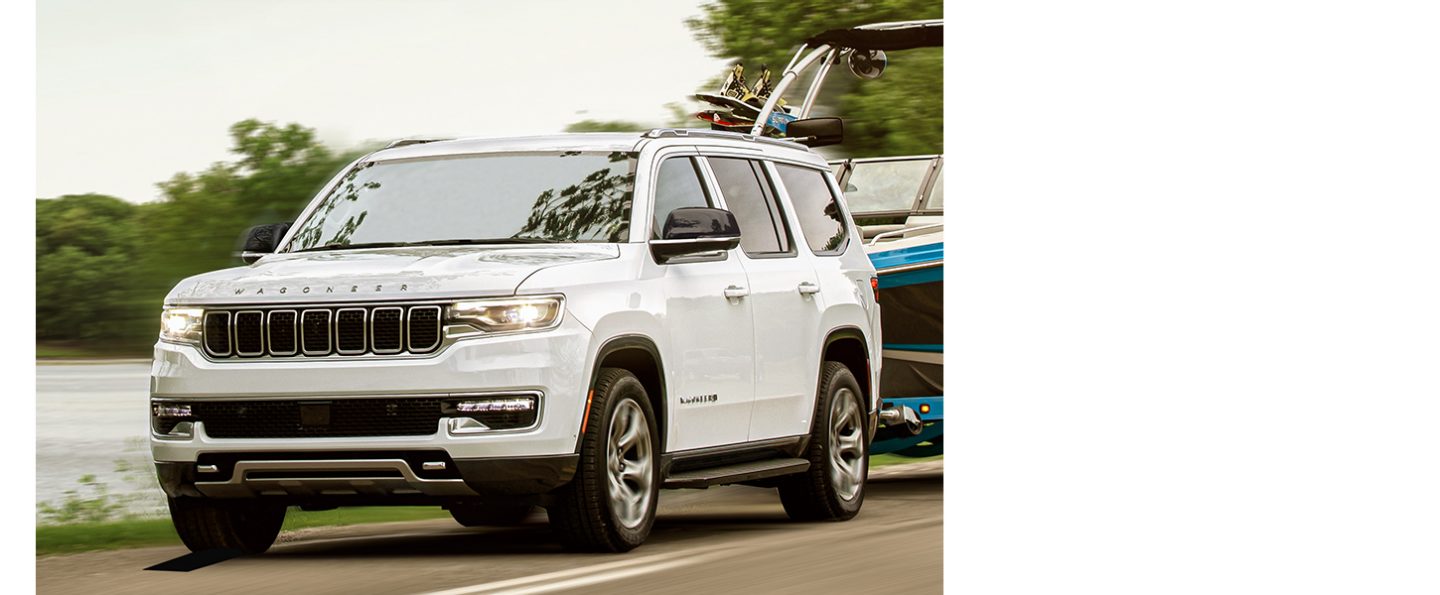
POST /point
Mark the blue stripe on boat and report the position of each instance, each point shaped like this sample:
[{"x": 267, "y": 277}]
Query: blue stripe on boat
[
  {"x": 915, "y": 277},
  {"x": 905, "y": 256},
  {"x": 915, "y": 347}
]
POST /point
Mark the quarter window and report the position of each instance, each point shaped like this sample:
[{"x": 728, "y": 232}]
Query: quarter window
[
  {"x": 747, "y": 193},
  {"x": 677, "y": 185},
  {"x": 821, "y": 221}
]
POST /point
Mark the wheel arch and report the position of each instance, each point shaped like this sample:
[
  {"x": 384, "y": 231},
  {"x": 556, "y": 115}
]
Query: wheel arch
[
  {"x": 638, "y": 355},
  {"x": 847, "y": 345}
]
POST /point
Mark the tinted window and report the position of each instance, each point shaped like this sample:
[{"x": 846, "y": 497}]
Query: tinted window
[
  {"x": 819, "y": 214},
  {"x": 744, "y": 185},
  {"x": 677, "y": 185}
]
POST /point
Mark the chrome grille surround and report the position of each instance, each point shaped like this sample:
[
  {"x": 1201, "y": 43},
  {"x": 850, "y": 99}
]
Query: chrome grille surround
[{"x": 313, "y": 331}]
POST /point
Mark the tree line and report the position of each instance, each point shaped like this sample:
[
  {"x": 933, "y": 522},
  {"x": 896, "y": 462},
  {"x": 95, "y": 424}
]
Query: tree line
[{"x": 104, "y": 265}]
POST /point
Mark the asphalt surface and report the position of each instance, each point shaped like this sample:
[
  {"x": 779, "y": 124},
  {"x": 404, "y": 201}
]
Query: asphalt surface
[{"x": 732, "y": 539}]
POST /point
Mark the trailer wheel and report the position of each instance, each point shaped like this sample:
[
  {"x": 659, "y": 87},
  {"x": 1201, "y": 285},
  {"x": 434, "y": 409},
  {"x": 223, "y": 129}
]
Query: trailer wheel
[{"x": 834, "y": 487}]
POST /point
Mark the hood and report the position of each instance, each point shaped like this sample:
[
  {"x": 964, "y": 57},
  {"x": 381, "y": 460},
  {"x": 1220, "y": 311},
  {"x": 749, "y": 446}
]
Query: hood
[{"x": 383, "y": 274}]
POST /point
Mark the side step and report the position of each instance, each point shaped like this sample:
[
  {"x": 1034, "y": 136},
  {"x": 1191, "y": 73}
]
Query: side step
[{"x": 704, "y": 478}]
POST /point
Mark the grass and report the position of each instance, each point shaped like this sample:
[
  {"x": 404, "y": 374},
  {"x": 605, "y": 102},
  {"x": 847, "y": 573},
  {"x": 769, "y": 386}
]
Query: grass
[
  {"x": 67, "y": 350},
  {"x": 148, "y": 532},
  {"x": 892, "y": 459}
]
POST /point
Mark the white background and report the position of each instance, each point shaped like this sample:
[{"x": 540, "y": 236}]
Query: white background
[{"x": 1194, "y": 296}]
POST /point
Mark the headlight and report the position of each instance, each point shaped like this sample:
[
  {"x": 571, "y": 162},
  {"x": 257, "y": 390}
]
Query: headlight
[
  {"x": 182, "y": 324},
  {"x": 509, "y": 314}
]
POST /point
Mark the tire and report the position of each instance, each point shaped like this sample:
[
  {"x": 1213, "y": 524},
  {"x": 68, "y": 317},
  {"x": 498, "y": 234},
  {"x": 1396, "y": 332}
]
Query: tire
[
  {"x": 246, "y": 525},
  {"x": 833, "y": 488},
  {"x": 491, "y": 515},
  {"x": 610, "y": 504}
]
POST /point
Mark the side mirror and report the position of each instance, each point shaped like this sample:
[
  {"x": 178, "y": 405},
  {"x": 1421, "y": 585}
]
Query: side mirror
[
  {"x": 262, "y": 240},
  {"x": 816, "y": 132},
  {"x": 692, "y": 230}
]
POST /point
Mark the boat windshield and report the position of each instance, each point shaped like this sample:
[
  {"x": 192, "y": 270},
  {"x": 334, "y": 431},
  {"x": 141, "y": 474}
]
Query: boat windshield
[
  {"x": 891, "y": 185},
  {"x": 532, "y": 197}
]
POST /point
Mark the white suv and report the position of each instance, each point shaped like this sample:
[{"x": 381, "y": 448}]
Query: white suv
[{"x": 570, "y": 321}]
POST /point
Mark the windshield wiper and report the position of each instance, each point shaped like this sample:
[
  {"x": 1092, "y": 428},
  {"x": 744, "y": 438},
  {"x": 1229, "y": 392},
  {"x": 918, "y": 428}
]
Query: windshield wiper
[
  {"x": 356, "y": 246},
  {"x": 466, "y": 241}
]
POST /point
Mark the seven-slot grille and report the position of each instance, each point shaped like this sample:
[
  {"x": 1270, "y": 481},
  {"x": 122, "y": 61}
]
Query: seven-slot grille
[{"x": 344, "y": 330}]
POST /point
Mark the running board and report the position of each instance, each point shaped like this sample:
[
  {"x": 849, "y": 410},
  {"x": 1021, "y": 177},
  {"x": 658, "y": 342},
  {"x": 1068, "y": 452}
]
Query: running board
[{"x": 739, "y": 472}]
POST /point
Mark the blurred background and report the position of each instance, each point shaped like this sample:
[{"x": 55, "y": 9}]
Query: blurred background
[{"x": 168, "y": 127}]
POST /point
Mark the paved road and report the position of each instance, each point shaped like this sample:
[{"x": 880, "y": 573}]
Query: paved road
[{"x": 723, "y": 540}]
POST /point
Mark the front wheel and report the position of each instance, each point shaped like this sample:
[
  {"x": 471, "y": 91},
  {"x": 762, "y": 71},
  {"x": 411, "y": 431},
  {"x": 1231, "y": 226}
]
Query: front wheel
[
  {"x": 246, "y": 525},
  {"x": 610, "y": 504},
  {"x": 834, "y": 487}
]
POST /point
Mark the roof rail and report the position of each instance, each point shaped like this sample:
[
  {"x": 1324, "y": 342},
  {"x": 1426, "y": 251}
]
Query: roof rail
[
  {"x": 405, "y": 142},
  {"x": 688, "y": 132}
]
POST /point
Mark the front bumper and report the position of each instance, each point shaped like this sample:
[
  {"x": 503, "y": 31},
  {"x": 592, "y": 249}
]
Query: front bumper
[{"x": 552, "y": 363}]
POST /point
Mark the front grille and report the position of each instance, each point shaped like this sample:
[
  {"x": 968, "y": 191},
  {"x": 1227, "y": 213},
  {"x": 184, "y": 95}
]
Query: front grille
[
  {"x": 344, "y": 417},
  {"x": 318, "y": 332}
]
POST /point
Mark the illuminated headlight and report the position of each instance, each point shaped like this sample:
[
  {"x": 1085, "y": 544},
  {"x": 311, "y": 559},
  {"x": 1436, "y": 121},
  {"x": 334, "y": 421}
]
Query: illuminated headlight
[
  {"x": 509, "y": 314},
  {"x": 182, "y": 324}
]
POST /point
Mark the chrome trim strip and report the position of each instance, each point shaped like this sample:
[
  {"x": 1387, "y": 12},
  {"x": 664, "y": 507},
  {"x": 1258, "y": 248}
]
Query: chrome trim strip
[
  {"x": 364, "y": 331},
  {"x": 439, "y": 328},
  {"x": 370, "y": 329},
  {"x": 235, "y": 333},
  {"x": 229, "y": 334},
  {"x": 295, "y": 328},
  {"x": 930, "y": 264},
  {"x": 328, "y": 338}
]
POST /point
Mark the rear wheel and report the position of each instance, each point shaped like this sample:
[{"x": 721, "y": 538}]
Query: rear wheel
[
  {"x": 491, "y": 515},
  {"x": 246, "y": 525},
  {"x": 834, "y": 487},
  {"x": 610, "y": 504}
]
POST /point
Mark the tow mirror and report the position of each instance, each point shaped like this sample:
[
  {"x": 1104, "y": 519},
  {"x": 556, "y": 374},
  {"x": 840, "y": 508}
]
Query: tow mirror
[
  {"x": 816, "y": 132},
  {"x": 692, "y": 230},
  {"x": 261, "y": 240}
]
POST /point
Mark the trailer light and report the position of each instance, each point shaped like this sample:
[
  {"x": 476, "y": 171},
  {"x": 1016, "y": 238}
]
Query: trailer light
[{"x": 924, "y": 408}]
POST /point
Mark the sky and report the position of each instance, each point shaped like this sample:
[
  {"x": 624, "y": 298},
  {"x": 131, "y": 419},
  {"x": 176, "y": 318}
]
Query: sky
[{"x": 130, "y": 92}]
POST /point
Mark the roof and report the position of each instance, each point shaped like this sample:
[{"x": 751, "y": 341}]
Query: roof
[
  {"x": 885, "y": 36},
  {"x": 573, "y": 141}
]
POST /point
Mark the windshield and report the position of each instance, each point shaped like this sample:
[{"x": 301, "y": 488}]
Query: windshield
[
  {"x": 500, "y": 198},
  {"x": 885, "y": 185}
]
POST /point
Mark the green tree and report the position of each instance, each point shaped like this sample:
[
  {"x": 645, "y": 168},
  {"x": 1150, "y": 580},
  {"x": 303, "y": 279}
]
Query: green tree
[{"x": 897, "y": 114}]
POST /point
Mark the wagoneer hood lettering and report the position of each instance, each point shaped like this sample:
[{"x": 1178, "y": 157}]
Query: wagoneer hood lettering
[{"x": 384, "y": 274}]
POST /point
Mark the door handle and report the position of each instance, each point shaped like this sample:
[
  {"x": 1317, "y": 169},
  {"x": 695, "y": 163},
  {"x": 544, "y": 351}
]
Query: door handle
[
  {"x": 808, "y": 288},
  {"x": 735, "y": 292}
]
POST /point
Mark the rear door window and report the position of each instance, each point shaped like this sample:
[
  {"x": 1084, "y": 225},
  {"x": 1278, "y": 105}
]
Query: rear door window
[
  {"x": 821, "y": 221},
  {"x": 748, "y": 195}
]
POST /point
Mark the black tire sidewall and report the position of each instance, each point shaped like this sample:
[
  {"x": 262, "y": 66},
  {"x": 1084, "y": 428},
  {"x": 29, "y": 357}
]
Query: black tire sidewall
[{"x": 627, "y": 389}]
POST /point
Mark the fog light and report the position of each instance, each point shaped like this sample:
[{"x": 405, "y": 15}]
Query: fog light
[
  {"x": 508, "y": 412},
  {"x": 521, "y": 404},
  {"x": 169, "y": 411}
]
